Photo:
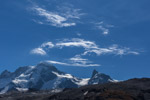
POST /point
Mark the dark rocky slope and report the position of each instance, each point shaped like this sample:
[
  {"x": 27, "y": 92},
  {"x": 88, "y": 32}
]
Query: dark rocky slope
[{"x": 133, "y": 89}]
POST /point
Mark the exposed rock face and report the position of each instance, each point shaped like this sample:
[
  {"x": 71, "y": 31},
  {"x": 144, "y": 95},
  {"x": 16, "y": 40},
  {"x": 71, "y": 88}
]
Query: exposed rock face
[
  {"x": 5, "y": 74},
  {"x": 99, "y": 78}
]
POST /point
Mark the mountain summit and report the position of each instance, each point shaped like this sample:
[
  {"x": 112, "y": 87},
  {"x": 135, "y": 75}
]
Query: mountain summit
[
  {"x": 99, "y": 78},
  {"x": 45, "y": 76}
]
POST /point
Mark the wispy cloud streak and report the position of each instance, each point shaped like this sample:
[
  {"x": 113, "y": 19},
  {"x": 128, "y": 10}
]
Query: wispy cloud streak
[
  {"x": 92, "y": 47},
  {"x": 103, "y": 27},
  {"x": 89, "y": 48},
  {"x": 75, "y": 61},
  {"x": 38, "y": 51},
  {"x": 57, "y": 18}
]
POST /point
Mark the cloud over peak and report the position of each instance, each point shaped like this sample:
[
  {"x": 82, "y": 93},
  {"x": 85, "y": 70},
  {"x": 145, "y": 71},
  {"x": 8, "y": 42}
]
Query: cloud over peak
[{"x": 75, "y": 61}]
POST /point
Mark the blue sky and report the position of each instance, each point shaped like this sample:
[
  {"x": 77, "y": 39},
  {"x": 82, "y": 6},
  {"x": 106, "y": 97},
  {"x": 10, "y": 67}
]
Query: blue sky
[{"x": 77, "y": 36}]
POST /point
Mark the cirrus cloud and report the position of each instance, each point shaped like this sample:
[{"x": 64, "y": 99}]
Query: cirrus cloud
[
  {"x": 89, "y": 48},
  {"x": 38, "y": 51},
  {"x": 60, "y": 18},
  {"x": 75, "y": 61}
]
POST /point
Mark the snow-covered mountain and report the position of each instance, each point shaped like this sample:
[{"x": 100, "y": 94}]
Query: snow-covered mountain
[
  {"x": 99, "y": 78},
  {"x": 45, "y": 76}
]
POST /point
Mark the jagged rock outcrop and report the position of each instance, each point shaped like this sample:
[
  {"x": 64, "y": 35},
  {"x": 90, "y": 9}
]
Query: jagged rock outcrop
[{"x": 99, "y": 78}]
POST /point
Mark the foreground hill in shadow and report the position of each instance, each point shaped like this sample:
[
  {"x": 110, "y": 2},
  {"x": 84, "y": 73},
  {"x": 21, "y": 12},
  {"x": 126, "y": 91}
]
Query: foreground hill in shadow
[{"x": 133, "y": 89}]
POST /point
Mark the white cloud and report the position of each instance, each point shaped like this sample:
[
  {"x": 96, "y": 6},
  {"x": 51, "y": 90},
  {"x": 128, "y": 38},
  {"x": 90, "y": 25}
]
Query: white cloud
[
  {"x": 79, "y": 34},
  {"x": 70, "y": 12},
  {"x": 114, "y": 49},
  {"x": 88, "y": 46},
  {"x": 37, "y": 21},
  {"x": 47, "y": 44},
  {"x": 57, "y": 18},
  {"x": 75, "y": 62},
  {"x": 78, "y": 59},
  {"x": 38, "y": 51},
  {"x": 133, "y": 52},
  {"x": 105, "y": 30},
  {"x": 92, "y": 47},
  {"x": 56, "y": 62},
  {"x": 76, "y": 42},
  {"x": 103, "y": 27}
]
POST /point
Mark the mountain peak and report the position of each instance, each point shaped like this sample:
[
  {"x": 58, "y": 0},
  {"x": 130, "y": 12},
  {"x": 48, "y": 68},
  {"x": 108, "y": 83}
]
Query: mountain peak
[
  {"x": 6, "y": 71},
  {"x": 98, "y": 78},
  {"x": 47, "y": 66},
  {"x": 94, "y": 72},
  {"x": 5, "y": 74},
  {"x": 44, "y": 63}
]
